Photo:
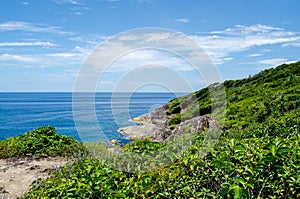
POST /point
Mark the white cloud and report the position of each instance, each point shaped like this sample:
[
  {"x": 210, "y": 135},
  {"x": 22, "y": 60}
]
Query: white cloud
[
  {"x": 144, "y": 1},
  {"x": 245, "y": 30},
  {"x": 137, "y": 49},
  {"x": 74, "y": 2},
  {"x": 183, "y": 20},
  {"x": 29, "y": 27},
  {"x": 64, "y": 55},
  {"x": 25, "y": 3},
  {"x": 42, "y": 60},
  {"x": 228, "y": 58},
  {"x": 275, "y": 61},
  {"x": 255, "y": 55},
  {"x": 10, "y": 57},
  {"x": 149, "y": 57},
  {"x": 18, "y": 44},
  {"x": 111, "y": 0},
  {"x": 91, "y": 40},
  {"x": 82, "y": 50},
  {"x": 293, "y": 44},
  {"x": 220, "y": 44}
]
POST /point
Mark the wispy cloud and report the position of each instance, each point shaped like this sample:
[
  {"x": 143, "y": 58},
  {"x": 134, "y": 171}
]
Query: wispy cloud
[
  {"x": 19, "y": 44},
  {"x": 245, "y": 30},
  {"x": 79, "y": 10},
  {"x": 88, "y": 43},
  {"x": 220, "y": 44},
  {"x": 73, "y": 2},
  {"x": 149, "y": 57},
  {"x": 25, "y": 3},
  {"x": 144, "y": 1},
  {"x": 255, "y": 55},
  {"x": 182, "y": 20},
  {"x": 275, "y": 61},
  {"x": 66, "y": 60},
  {"x": 293, "y": 44},
  {"x": 30, "y": 27},
  {"x": 111, "y": 0},
  {"x": 64, "y": 55},
  {"x": 10, "y": 57}
]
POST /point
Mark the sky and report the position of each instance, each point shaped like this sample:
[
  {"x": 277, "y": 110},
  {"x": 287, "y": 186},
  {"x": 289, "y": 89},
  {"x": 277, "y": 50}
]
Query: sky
[{"x": 44, "y": 44}]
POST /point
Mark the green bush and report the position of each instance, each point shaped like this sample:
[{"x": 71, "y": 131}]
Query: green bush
[
  {"x": 41, "y": 141},
  {"x": 175, "y": 120}
]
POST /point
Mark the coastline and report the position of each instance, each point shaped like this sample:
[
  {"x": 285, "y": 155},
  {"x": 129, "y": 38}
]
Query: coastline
[{"x": 154, "y": 126}]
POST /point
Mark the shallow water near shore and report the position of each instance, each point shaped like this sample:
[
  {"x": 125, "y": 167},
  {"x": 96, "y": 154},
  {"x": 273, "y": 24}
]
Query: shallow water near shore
[{"x": 22, "y": 112}]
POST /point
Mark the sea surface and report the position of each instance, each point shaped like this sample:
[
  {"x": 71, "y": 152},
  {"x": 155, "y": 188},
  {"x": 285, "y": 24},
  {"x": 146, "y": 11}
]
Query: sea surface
[{"x": 22, "y": 112}]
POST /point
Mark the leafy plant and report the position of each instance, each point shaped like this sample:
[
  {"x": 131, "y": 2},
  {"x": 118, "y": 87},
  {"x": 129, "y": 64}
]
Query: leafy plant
[{"x": 41, "y": 141}]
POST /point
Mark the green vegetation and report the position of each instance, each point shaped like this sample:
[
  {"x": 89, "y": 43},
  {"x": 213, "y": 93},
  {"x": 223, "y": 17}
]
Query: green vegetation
[
  {"x": 143, "y": 146},
  {"x": 251, "y": 168},
  {"x": 257, "y": 155},
  {"x": 41, "y": 141},
  {"x": 271, "y": 96}
]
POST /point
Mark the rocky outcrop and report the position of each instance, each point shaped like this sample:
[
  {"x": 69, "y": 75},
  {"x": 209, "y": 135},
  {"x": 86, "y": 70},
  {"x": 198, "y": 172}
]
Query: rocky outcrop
[
  {"x": 150, "y": 124},
  {"x": 154, "y": 126}
]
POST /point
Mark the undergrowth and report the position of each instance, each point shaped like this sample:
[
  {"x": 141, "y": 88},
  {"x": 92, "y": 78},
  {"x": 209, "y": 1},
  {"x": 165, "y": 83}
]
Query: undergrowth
[{"x": 41, "y": 141}]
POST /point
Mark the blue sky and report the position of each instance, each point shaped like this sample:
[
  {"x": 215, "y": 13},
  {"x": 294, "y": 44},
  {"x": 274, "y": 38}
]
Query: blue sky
[{"x": 44, "y": 43}]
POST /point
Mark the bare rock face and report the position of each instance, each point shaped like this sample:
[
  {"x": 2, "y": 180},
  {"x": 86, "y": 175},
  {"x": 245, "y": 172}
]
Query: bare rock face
[
  {"x": 151, "y": 124},
  {"x": 196, "y": 124},
  {"x": 137, "y": 132},
  {"x": 155, "y": 126}
]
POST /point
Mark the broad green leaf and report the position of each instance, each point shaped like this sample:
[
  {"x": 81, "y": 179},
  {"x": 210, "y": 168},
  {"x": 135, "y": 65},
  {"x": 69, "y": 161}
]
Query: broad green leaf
[
  {"x": 237, "y": 191},
  {"x": 268, "y": 159},
  {"x": 239, "y": 147},
  {"x": 283, "y": 150},
  {"x": 273, "y": 149}
]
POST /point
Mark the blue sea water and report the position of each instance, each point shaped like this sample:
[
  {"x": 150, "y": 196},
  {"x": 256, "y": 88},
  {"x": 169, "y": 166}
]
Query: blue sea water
[{"x": 22, "y": 112}]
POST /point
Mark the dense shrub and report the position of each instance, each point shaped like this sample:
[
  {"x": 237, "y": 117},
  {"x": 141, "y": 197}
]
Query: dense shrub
[{"x": 41, "y": 141}]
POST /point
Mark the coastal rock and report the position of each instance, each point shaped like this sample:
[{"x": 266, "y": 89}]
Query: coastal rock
[
  {"x": 154, "y": 126},
  {"x": 138, "y": 132},
  {"x": 196, "y": 124},
  {"x": 142, "y": 120},
  {"x": 114, "y": 142},
  {"x": 150, "y": 124}
]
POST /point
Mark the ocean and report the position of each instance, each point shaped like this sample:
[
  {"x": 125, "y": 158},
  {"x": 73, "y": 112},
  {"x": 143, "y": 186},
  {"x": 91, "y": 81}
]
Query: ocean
[{"x": 22, "y": 112}]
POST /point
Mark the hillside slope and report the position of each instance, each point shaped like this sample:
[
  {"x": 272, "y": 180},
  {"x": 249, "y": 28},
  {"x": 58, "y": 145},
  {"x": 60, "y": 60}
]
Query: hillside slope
[
  {"x": 257, "y": 104},
  {"x": 257, "y": 154},
  {"x": 269, "y": 98}
]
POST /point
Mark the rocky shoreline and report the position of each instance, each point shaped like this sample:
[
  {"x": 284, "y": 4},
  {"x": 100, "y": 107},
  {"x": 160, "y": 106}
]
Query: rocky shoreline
[{"x": 154, "y": 126}]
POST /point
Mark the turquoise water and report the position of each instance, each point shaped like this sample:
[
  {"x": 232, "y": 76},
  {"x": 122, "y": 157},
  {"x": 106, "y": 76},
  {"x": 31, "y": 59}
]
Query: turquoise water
[{"x": 22, "y": 112}]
